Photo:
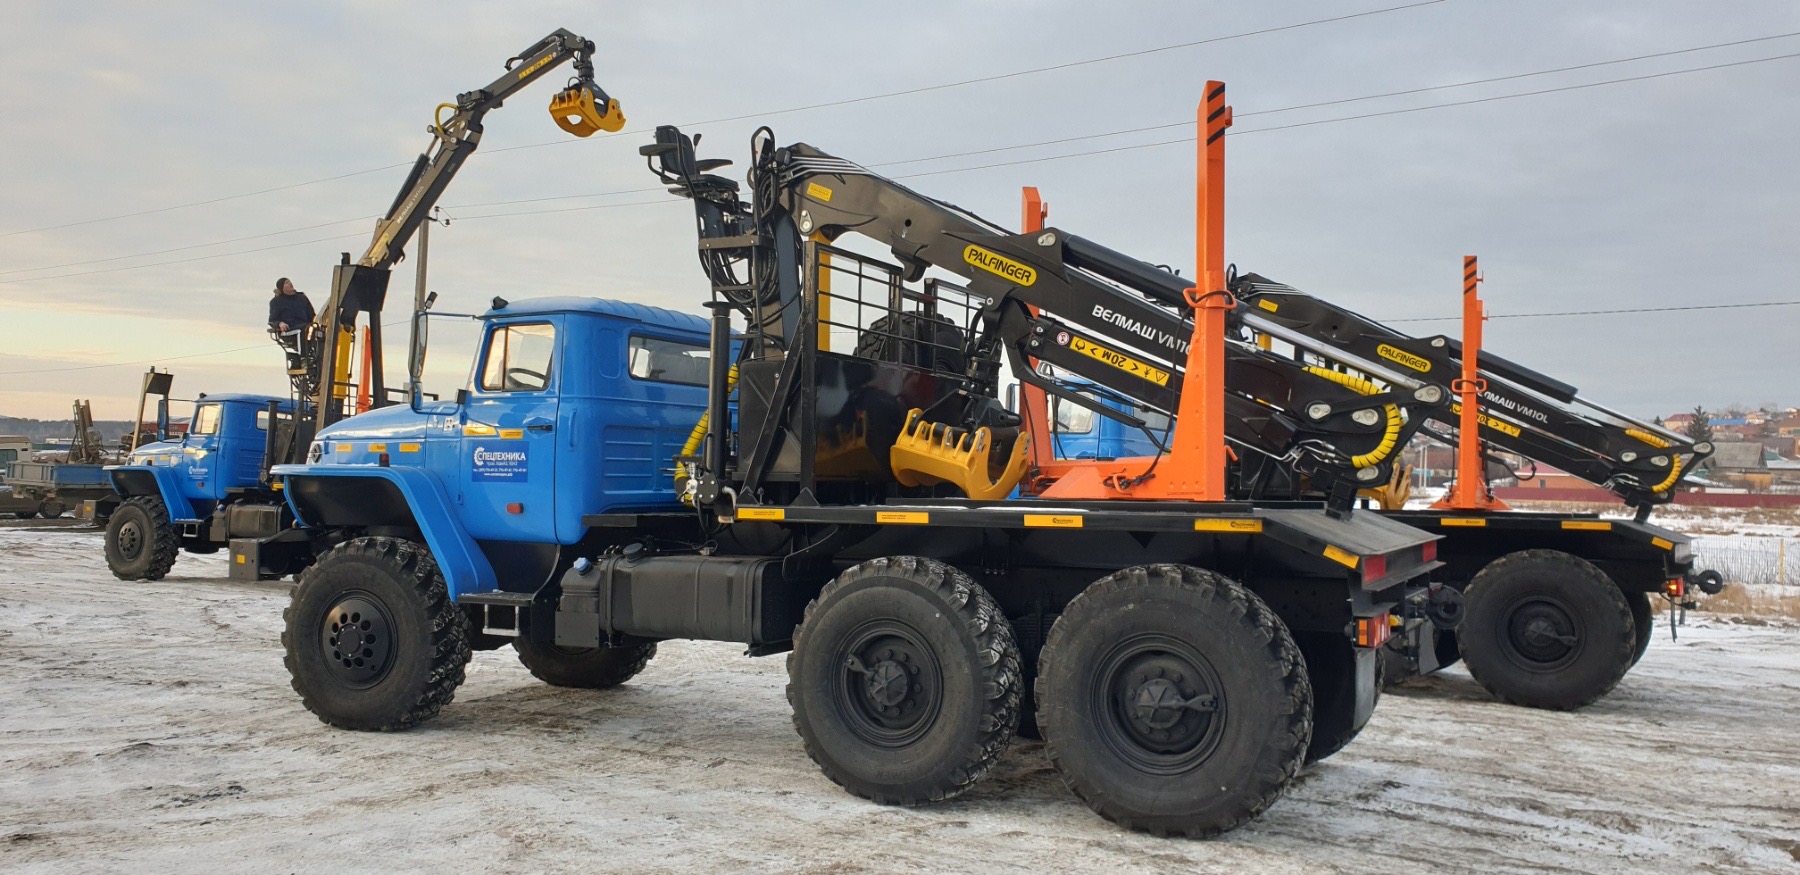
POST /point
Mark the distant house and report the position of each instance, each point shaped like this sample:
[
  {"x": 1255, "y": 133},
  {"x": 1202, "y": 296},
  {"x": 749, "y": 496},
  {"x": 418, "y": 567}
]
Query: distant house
[{"x": 1678, "y": 421}]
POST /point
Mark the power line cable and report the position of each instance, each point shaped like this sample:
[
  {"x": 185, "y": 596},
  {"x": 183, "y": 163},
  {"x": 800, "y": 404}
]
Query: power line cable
[
  {"x": 1369, "y": 115},
  {"x": 186, "y": 248},
  {"x": 1606, "y": 312},
  {"x": 1338, "y": 102},
  {"x": 1015, "y": 163},
  {"x": 789, "y": 110}
]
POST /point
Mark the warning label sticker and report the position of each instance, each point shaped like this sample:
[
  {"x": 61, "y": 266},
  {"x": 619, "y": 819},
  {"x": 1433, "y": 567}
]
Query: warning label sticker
[
  {"x": 504, "y": 462},
  {"x": 1118, "y": 360}
]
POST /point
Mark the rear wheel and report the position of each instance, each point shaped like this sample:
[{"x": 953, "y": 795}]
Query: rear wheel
[
  {"x": 1546, "y": 629},
  {"x": 1643, "y": 623},
  {"x": 904, "y": 681},
  {"x": 141, "y": 544},
  {"x": 587, "y": 668},
  {"x": 51, "y": 509},
  {"x": 373, "y": 640},
  {"x": 1173, "y": 701}
]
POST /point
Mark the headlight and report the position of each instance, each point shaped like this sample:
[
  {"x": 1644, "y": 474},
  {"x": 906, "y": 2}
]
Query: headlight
[{"x": 315, "y": 452}]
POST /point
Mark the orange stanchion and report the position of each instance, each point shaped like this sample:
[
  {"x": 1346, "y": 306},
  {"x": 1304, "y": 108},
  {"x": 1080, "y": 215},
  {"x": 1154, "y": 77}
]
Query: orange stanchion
[{"x": 1470, "y": 491}]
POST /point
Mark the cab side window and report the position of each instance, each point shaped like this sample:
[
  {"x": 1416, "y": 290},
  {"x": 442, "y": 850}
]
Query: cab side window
[
  {"x": 206, "y": 419},
  {"x": 8, "y": 456},
  {"x": 669, "y": 361},
  {"x": 519, "y": 358}
]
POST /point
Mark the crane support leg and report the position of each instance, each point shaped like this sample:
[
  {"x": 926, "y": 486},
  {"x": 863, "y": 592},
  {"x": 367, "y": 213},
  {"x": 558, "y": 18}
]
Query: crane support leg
[{"x": 1470, "y": 490}]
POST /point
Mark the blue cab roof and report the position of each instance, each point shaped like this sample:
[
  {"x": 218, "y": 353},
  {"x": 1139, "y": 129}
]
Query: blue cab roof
[
  {"x": 287, "y": 404},
  {"x": 656, "y": 317}
]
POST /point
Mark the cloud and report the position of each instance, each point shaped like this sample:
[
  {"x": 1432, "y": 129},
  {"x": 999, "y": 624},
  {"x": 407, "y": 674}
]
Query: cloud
[{"x": 1650, "y": 194}]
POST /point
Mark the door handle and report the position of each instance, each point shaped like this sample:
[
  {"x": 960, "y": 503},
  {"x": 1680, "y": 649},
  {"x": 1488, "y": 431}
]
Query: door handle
[{"x": 538, "y": 423}]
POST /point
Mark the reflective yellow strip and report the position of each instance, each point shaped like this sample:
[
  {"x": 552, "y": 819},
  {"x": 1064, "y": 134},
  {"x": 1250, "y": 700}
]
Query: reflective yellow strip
[
  {"x": 818, "y": 192},
  {"x": 1268, "y": 305},
  {"x": 1587, "y": 525},
  {"x": 1051, "y": 521},
  {"x": 1665, "y": 544},
  {"x": 476, "y": 429},
  {"x": 240, "y": 558},
  {"x": 378, "y": 448},
  {"x": 1342, "y": 557},
  {"x": 409, "y": 448},
  {"x": 344, "y": 448},
  {"x": 512, "y": 434},
  {"x": 1120, "y": 360},
  {"x": 1452, "y": 522},
  {"x": 1244, "y": 526},
  {"x": 909, "y": 517},
  {"x": 761, "y": 513}
]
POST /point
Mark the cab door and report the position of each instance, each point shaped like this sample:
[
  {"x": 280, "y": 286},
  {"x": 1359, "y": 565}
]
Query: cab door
[{"x": 508, "y": 459}]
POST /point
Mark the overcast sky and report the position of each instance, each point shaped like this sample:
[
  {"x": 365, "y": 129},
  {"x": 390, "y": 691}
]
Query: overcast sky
[{"x": 1672, "y": 191}]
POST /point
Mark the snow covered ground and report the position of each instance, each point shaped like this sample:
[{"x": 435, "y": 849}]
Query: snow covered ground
[{"x": 149, "y": 727}]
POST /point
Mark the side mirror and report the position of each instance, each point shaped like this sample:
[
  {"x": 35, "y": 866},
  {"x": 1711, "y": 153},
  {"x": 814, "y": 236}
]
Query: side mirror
[
  {"x": 162, "y": 419},
  {"x": 415, "y": 358}
]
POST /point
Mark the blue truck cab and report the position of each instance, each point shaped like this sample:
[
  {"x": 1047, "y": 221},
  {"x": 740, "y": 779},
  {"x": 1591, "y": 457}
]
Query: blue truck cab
[
  {"x": 221, "y": 454},
  {"x": 574, "y": 407},
  {"x": 198, "y": 491}
]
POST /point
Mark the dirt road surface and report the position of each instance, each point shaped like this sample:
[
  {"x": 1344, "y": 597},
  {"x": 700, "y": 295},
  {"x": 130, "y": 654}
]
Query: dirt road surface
[{"x": 149, "y": 727}]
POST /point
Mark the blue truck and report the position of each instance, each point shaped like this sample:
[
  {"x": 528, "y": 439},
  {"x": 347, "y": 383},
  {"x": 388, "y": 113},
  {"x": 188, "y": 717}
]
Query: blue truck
[{"x": 205, "y": 490}]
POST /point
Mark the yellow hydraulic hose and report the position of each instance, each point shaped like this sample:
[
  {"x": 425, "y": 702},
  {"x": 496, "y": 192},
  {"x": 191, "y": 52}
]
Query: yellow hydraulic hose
[
  {"x": 1661, "y": 444},
  {"x": 1390, "y": 439},
  {"x": 701, "y": 425}
]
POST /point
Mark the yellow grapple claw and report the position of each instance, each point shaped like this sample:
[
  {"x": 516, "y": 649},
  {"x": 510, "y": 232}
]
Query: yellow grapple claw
[
  {"x": 929, "y": 452},
  {"x": 575, "y": 111}
]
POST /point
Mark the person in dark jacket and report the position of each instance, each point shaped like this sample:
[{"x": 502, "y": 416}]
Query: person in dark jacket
[{"x": 289, "y": 310}]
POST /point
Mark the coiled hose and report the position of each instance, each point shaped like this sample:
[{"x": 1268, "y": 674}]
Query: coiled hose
[
  {"x": 1390, "y": 439},
  {"x": 1661, "y": 444},
  {"x": 701, "y": 426}
]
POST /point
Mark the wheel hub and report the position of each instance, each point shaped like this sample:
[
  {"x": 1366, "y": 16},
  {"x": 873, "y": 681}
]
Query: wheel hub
[
  {"x": 1166, "y": 713},
  {"x": 892, "y": 687},
  {"x": 887, "y": 683},
  {"x": 357, "y": 641},
  {"x": 1542, "y": 632},
  {"x": 131, "y": 540}
]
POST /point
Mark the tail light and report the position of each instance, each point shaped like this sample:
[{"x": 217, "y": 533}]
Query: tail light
[
  {"x": 1374, "y": 567},
  {"x": 1676, "y": 587},
  {"x": 1372, "y": 631},
  {"x": 1428, "y": 553}
]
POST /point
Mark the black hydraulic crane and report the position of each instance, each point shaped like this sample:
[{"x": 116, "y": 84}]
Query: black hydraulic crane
[{"x": 1109, "y": 324}]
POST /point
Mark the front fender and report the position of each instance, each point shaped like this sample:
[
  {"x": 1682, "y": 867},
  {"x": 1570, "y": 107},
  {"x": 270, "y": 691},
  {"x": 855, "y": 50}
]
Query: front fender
[
  {"x": 339, "y": 495},
  {"x": 165, "y": 483}
]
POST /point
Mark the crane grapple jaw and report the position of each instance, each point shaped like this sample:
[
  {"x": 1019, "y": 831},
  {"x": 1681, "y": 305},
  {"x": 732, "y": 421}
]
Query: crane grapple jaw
[
  {"x": 928, "y": 452},
  {"x": 582, "y": 109}
]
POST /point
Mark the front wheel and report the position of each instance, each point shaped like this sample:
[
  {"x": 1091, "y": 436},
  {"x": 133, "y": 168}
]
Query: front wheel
[
  {"x": 141, "y": 543},
  {"x": 1173, "y": 701},
  {"x": 1546, "y": 629},
  {"x": 372, "y": 638}
]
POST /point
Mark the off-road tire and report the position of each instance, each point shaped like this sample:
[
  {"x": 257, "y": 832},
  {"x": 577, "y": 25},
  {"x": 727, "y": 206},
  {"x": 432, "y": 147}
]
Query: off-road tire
[
  {"x": 1643, "y": 624},
  {"x": 1545, "y": 629},
  {"x": 141, "y": 544},
  {"x": 960, "y": 652},
  {"x": 1127, "y": 629},
  {"x": 419, "y": 638},
  {"x": 587, "y": 668}
]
